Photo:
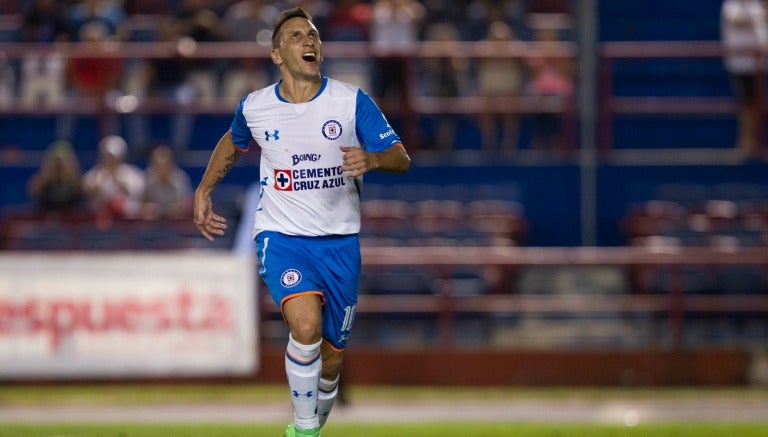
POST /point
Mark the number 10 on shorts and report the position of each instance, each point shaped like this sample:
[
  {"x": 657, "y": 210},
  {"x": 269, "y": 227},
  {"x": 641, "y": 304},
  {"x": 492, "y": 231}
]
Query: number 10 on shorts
[{"x": 349, "y": 317}]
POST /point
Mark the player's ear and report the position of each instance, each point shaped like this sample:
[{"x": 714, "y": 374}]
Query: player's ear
[{"x": 276, "y": 58}]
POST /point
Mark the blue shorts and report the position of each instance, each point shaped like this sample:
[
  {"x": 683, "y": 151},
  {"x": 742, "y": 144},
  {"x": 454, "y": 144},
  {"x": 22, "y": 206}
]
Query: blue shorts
[{"x": 291, "y": 266}]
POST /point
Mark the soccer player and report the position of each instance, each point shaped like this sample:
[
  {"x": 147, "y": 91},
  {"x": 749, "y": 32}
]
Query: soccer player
[{"x": 318, "y": 136}]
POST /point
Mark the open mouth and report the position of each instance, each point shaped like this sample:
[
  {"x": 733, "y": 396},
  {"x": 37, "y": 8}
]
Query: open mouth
[{"x": 309, "y": 57}]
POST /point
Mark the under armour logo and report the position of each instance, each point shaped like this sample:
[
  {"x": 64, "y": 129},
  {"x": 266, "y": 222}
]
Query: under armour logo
[
  {"x": 275, "y": 134},
  {"x": 307, "y": 395}
]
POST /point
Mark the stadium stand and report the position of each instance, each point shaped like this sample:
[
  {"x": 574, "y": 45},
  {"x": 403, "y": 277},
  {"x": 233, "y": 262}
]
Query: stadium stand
[{"x": 472, "y": 202}]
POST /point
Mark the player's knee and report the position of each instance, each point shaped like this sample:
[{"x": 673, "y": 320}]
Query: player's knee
[{"x": 306, "y": 332}]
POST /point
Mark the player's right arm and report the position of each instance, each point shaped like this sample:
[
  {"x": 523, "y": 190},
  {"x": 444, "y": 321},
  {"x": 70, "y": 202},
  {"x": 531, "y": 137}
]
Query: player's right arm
[{"x": 223, "y": 158}]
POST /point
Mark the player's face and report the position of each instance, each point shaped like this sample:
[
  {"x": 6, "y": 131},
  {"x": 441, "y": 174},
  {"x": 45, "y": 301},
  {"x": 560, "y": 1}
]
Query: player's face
[{"x": 300, "y": 49}]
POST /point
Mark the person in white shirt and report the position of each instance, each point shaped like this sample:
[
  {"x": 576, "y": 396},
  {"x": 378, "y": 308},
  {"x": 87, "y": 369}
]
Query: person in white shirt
[
  {"x": 168, "y": 192},
  {"x": 113, "y": 186},
  {"x": 317, "y": 136},
  {"x": 744, "y": 33}
]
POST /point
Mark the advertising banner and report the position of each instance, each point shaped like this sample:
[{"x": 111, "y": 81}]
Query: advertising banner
[{"x": 127, "y": 315}]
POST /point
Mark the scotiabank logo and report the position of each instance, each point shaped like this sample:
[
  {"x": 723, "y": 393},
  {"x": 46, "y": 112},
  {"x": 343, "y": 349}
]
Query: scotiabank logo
[
  {"x": 58, "y": 318},
  {"x": 283, "y": 180}
]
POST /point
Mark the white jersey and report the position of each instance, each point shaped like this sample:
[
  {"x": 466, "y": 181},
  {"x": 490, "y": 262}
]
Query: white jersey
[
  {"x": 303, "y": 190},
  {"x": 744, "y": 30}
]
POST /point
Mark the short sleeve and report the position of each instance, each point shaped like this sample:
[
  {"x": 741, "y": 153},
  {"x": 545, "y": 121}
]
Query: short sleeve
[
  {"x": 241, "y": 135},
  {"x": 373, "y": 130}
]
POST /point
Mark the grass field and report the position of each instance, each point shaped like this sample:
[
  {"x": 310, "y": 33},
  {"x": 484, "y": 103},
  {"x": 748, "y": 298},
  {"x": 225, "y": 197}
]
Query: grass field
[
  {"x": 192, "y": 393},
  {"x": 389, "y": 430},
  {"x": 151, "y": 397}
]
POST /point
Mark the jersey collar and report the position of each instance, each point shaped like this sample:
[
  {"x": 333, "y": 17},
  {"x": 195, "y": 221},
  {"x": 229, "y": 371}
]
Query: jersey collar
[{"x": 319, "y": 91}]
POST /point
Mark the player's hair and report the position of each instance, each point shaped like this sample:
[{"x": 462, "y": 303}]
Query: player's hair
[{"x": 283, "y": 17}]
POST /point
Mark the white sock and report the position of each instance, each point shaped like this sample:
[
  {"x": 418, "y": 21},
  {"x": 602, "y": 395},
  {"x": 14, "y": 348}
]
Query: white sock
[
  {"x": 326, "y": 395},
  {"x": 303, "y": 364}
]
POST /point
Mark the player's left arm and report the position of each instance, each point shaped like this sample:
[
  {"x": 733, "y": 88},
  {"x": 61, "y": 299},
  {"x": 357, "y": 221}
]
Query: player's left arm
[
  {"x": 383, "y": 151},
  {"x": 358, "y": 161}
]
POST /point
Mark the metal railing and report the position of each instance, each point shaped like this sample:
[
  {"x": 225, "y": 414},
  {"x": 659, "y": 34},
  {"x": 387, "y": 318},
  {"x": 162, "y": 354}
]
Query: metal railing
[
  {"x": 612, "y": 105},
  {"x": 672, "y": 307},
  {"x": 410, "y": 105}
]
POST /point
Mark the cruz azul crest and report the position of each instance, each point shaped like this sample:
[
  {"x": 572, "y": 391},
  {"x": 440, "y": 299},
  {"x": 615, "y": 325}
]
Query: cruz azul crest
[{"x": 332, "y": 129}]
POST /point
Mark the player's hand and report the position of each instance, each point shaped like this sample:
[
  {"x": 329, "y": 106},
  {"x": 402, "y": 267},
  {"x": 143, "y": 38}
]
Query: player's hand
[
  {"x": 208, "y": 222},
  {"x": 357, "y": 161}
]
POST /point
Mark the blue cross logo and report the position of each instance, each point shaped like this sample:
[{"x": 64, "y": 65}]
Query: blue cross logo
[
  {"x": 275, "y": 134},
  {"x": 282, "y": 179}
]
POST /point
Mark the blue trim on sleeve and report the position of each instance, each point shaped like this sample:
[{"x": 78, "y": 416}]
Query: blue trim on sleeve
[
  {"x": 241, "y": 135},
  {"x": 373, "y": 130}
]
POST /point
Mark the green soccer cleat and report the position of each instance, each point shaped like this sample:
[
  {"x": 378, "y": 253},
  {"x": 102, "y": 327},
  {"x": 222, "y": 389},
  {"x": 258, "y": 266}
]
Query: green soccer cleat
[{"x": 292, "y": 431}]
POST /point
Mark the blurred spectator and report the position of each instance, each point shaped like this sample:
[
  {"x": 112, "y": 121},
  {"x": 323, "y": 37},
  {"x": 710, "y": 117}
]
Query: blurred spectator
[
  {"x": 92, "y": 77},
  {"x": 552, "y": 81},
  {"x": 321, "y": 11},
  {"x": 744, "y": 32},
  {"x": 108, "y": 13},
  {"x": 148, "y": 6},
  {"x": 500, "y": 77},
  {"x": 479, "y": 14},
  {"x": 162, "y": 79},
  {"x": 444, "y": 77},
  {"x": 114, "y": 188},
  {"x": 247, "y": 20},
  {"x": 446, "y": 10},
  {"x": 7, "y": 81},
  {"x": 168, "y": 191},
  {"x": 548, "y": 6},
  {"x": 219, "y": 6},
  {"x": 42, "y": 76},
  {"x": 512, "y": 12},
  {"x": 57, "y": 187},
  {"x": 395, "y": 26},
  {"x": 178, "y": 78},
  {"x": 349, "y": 22},
  {"x": 11, "y": 7},
  {"x": 196, "y": 22},
  {"x": 44, "y": 22}
]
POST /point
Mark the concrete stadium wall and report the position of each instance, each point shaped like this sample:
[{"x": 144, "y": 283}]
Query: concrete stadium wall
[{"x": 654, "y": 367}]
